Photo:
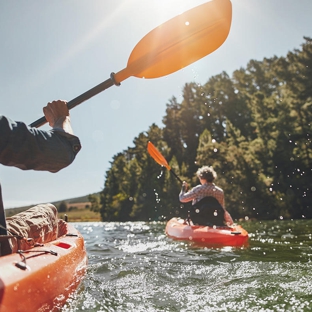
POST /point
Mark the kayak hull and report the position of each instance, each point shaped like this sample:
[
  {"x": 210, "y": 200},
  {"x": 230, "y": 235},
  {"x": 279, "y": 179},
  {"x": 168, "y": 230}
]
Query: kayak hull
[
  {"x": 48, "y": 276},
  {"x": 236, "y": 236}
]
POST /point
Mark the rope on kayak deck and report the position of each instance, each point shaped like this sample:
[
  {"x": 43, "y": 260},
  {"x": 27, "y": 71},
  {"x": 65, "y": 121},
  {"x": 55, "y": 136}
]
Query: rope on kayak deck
[
  {"x": 30, "y": 241},
  {"x": 22, "y": 264}
]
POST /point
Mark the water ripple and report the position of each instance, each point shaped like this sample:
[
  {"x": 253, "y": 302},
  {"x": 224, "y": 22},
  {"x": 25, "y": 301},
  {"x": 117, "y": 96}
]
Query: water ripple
[{"x": 135, "y": 267}]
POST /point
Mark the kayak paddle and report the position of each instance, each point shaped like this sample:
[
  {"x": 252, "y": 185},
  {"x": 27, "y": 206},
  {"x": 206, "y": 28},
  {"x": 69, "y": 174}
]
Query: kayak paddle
[
  {"x": 159, "y": 158},
  {"x": 170, "y": 47}
]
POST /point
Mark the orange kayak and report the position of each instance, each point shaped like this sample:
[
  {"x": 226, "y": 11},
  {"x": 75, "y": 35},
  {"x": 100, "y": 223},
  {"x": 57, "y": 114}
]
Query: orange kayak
[
  {"x": 176, "y": 228},
  {"x": 42, "y": 278}
]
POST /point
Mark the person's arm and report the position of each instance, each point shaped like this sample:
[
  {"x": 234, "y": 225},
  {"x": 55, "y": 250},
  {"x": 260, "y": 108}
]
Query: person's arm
[
  {"x": 187, "y": 196},
  {"x": 29, "y": 148},
  {"x": 227, "y": 217},
  {"x": 222, "y": 201}
]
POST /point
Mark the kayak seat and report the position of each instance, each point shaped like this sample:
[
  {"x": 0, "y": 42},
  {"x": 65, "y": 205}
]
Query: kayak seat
[{"x": 208, "y": 211}]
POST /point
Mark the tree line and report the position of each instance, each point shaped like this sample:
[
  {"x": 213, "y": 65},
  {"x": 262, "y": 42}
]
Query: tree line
[{"x": 254, "y": 128}]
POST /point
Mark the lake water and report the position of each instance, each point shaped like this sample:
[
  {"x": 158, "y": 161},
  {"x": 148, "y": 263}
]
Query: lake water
[{"x": 134, "y": 267}]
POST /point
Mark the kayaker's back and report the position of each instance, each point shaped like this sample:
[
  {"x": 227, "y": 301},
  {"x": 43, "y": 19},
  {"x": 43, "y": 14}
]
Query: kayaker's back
[{"x": 207, "y": 211}]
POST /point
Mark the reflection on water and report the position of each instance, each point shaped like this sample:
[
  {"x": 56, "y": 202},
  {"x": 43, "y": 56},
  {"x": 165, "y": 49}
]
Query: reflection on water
[{"x": 134, "y": 267}]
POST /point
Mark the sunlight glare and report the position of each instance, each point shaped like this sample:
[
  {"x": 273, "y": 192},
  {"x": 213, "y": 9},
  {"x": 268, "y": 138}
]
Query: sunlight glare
[{"x": 56, "y": 64}]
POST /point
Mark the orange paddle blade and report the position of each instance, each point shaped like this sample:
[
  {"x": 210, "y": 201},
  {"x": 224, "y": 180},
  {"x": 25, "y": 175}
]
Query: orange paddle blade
[
  {"x": 157, "y": 156},
  {"x": 180, "y": 41},
  {"x": 171, "y": 46}
]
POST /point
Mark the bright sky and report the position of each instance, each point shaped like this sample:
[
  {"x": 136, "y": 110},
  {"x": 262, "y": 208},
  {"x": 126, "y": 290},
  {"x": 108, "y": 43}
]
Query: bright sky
[{"x": 62, "y": 48}]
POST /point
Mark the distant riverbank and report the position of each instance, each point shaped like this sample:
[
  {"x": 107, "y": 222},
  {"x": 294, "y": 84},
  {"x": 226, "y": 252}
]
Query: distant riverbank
[{"x": 75, "y": 212}]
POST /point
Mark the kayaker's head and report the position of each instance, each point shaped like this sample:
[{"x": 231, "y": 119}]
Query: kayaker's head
[{"x": 206, "y": 173}]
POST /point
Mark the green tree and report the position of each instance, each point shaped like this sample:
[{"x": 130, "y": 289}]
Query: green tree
[
  {"x": 95, "y": 200},
  {"x": 253, "y": 128},
  {"x": 62, "y": 206}
]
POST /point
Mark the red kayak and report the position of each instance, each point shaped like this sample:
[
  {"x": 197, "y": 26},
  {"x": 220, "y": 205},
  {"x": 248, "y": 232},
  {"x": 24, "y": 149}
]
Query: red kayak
[
  {"x": 235, "y": 235},
  {"x": 42, "y": 278}
]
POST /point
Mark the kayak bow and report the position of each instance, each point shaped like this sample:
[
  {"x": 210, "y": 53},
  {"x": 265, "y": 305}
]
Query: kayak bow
[{"x": 42, "y": 278}]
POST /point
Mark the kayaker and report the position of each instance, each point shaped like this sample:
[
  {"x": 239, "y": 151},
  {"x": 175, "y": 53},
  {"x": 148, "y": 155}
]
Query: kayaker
[
  {"x": 206, "y": 195},
  {"x": 29, "y": 148}
]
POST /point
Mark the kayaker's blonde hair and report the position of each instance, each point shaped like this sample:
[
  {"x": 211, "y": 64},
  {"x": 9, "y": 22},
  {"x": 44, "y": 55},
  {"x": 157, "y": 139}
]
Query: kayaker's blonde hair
[{"x": 206, "y": 173}]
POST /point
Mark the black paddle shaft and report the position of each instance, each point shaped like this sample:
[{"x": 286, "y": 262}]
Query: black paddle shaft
[
  {"x": 83, "y": 97},
  {"x": 176, "y": 176}
]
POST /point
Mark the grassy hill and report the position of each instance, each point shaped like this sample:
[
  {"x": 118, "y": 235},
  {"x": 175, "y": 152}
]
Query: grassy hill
[{"x": 78, "y": 210}]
